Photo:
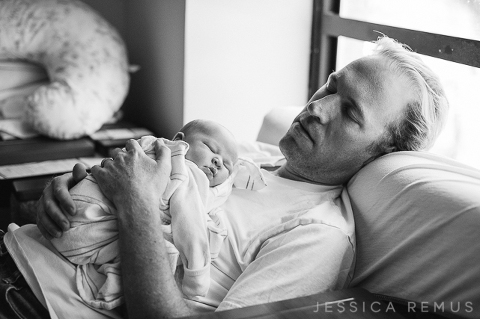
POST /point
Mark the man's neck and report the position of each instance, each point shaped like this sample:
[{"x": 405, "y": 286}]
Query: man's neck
[{"x": 286, "y": 172}]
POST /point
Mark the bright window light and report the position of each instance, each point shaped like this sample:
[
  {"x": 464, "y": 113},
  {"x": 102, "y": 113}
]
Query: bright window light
[{"x": 459, "y": 18}]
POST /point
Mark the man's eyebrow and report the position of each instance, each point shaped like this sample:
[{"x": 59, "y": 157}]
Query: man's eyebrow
[{"x": 332, "y": 77}]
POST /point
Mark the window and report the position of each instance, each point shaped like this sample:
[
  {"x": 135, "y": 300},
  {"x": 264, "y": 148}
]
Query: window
[{"x": 446, "y": 32}]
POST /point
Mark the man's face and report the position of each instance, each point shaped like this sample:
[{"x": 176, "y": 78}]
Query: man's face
[
  {"x": 327, "y": 142},
  {"x": 214, "y": 151}
]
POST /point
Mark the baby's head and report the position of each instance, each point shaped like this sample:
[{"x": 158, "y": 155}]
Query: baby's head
[{"x": 212, "y": 147}]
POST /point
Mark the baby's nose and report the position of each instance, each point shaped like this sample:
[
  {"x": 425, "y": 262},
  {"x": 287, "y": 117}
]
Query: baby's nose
[{"x": 217, "y": 161}]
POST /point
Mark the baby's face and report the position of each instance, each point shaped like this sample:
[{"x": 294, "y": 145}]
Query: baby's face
[{"x": 214, "y": 150}]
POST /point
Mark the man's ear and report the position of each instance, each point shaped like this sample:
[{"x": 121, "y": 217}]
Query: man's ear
[
  {"x": 179, "y": 136},
  {"x": 385, "y": 150},
  {"x": 390, "y": 149}
]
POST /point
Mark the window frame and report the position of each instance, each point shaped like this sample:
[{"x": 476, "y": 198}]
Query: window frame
[{"x": 327, "y": 26}]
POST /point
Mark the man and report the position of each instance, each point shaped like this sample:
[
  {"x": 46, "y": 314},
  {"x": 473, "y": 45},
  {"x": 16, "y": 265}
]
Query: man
[{"x": 296, "y": 237}]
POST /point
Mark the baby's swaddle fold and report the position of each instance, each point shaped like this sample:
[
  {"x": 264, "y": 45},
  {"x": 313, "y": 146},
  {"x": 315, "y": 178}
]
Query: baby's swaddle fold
[{"x": 92, "y": 241}]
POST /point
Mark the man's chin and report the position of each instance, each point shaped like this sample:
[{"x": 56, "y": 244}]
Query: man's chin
[
  {"x": 291, "y": 150},
  {"x": 283, "y": 144}
]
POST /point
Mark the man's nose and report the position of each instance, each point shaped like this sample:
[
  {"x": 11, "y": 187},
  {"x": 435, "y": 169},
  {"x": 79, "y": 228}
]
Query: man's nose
[{"x": 325, "y": 109}]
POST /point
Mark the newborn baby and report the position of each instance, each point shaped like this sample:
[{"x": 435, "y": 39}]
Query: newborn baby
[{"x": 204, "y": 158}]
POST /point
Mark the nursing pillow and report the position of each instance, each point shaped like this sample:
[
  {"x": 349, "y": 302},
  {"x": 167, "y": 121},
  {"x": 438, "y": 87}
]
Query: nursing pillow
[{"x": 83, "y": 55}]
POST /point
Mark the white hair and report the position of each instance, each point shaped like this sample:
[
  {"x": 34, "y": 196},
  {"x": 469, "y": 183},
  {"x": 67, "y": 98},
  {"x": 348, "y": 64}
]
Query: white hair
[{"x": 425, "y": 116}]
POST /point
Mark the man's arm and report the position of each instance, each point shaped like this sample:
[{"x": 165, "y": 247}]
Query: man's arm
[
  {"x": 134, "y": 182},
  {"x": 150, "y": 289}
]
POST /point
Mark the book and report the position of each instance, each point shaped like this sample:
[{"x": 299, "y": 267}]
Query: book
[
  {"x": 43, "y": 149},
  {"x": 30, "y": 188},
  {"x": 116, "y": 135},
  {"x": 26, "y": 181},
  {"x": 45, "y": 168}
]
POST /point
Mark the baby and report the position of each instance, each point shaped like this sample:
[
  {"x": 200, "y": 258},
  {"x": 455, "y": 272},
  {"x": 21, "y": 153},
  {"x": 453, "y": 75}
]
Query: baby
[{"x": 204, "y": 167}]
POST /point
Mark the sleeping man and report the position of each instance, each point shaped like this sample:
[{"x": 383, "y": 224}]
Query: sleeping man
[{"x": 300, "y": 227}]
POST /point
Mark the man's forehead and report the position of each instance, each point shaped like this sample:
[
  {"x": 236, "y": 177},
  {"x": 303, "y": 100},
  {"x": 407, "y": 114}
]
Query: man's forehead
[
  {"x": 371, "y": 68},
  {"x": 374, "y": 82},
  {"x": 371, "y": 76}
]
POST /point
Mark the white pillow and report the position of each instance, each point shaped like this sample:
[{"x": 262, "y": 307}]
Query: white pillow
[
  {"x": 276, "y": 123},
  {"x": 417, "y": 220}
]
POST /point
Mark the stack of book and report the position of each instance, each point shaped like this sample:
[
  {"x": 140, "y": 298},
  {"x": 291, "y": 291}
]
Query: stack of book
[
  {"x": 26, "y": 164},
  {"x": 39, "y": 149}
]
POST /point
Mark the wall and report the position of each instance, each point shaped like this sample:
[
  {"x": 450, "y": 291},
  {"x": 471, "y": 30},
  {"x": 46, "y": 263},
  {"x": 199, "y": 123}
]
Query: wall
[
  {"x": 230, "y": 61},
  {"x": 154, "y": 34},
  {"x": 244, "y": 57}
]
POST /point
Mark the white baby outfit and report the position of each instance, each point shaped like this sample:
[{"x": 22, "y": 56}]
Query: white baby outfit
[{"x": 191, "y": 234}]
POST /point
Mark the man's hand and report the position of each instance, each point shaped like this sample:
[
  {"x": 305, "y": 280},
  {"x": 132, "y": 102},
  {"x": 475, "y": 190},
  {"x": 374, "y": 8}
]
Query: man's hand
[
  {"x": 133, "y": 175},
  {"x": 56, "y": 202},
  {"x": 134, "y": 183}
]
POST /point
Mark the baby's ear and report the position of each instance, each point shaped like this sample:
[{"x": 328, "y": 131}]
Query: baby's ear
[{"x": 179, "y": 136}]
